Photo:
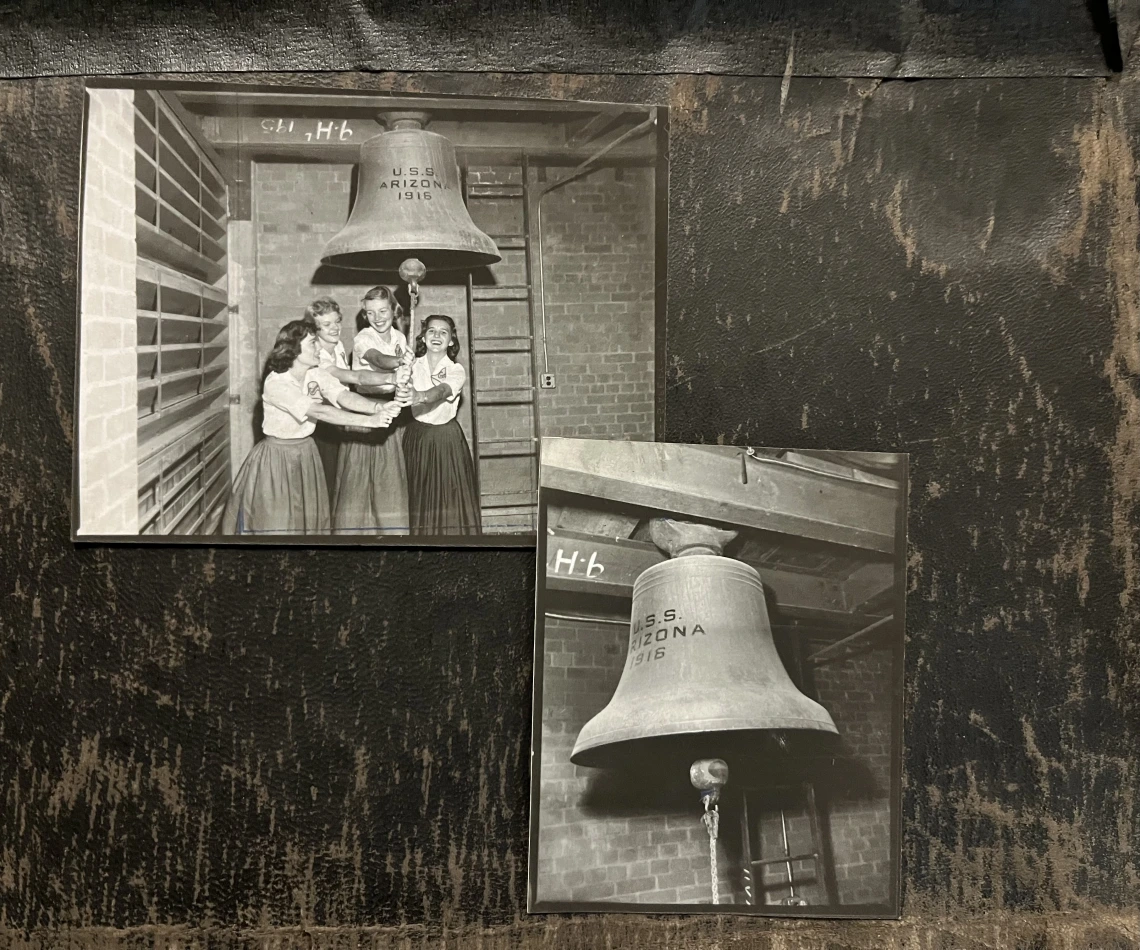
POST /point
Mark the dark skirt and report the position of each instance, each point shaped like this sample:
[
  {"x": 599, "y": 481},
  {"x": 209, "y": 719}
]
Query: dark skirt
[
  {"x": 441, "y": 480},
  {"x": 280, "y": 489},
  {"x": 371, "y": 496},
  {"x": 328, "y": 438}
]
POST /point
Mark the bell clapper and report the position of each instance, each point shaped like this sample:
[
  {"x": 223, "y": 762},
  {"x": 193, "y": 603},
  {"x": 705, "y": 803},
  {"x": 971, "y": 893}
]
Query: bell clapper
[
  {"x": 709, "y": 776},
  {"x": 412, "y": 272}
]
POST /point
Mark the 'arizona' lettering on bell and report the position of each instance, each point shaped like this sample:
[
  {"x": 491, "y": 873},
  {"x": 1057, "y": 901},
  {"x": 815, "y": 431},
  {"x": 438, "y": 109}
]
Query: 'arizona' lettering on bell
[
  {"x": 420, "y": 188},
  {"x": 639, "y": 640},
  {"x": 701, "y": 660}
]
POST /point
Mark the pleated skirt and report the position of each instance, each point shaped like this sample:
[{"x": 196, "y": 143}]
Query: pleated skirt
[
  {"x": 371, "y": 495},
  {"x": 280, "y": 489},
  {"x": 328, "y": 438},
  {"x": 441, "y": 480}
]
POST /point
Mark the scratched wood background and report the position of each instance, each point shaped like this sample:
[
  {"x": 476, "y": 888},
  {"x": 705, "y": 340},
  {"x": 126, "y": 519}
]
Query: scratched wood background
[{"x": 227, "y": 748}]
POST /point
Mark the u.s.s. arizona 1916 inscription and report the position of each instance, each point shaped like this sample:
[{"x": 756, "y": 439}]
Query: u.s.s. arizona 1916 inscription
[
  {"x": 413, "y": 183},
  {"x": 649, "y": 634}
]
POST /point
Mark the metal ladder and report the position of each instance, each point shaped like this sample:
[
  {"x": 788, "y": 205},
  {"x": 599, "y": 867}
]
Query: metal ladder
[
  {"x": 820, "y": 853},
  {"x": 511, "y": 507}
]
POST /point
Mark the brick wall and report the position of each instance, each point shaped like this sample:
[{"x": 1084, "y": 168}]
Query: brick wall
[
  {"x": 108, "y": 404},
  {"x": 589, "y": 850},
  {"x": 599, "y": 286},
  {"x": 583, "y": 853},
  {"x": 858, "y": 693}
]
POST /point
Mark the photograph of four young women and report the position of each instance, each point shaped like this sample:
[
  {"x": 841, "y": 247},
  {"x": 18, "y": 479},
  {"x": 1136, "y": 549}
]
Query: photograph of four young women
[{"x": 363, "y": 444}]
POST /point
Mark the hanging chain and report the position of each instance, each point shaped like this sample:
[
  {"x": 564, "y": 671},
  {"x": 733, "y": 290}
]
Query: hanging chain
[{"x": 711, "y": 819}]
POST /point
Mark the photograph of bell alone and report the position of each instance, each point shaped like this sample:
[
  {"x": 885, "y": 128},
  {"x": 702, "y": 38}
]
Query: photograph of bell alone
[
  {"x": 323, "y": 315},
  {"x": 718, "y": 680}
]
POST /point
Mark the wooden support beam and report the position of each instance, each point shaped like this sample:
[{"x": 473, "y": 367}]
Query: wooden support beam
[
  {"x": 591, "y": 520},
  {"x": 240, "y": 170},
  {"x": 709, "y": 486},
  {"x": 582, "y": 133},
  {"x": 867, "y": 583},
  {"x": 350, "y": 102},
  {"x": 330, "y": 139},
  {"x": 838, "y": 649},
  {"x": 588, "y": 564}
]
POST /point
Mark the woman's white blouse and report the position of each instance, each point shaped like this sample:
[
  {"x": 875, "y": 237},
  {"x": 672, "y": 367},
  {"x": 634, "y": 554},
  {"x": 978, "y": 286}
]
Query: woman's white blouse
[
  {"x": 286, "y": 401},
  {"x": 423, "y": 379},
  {"x": 368, "y": 339},
  {"x": 337, "y": 359}
]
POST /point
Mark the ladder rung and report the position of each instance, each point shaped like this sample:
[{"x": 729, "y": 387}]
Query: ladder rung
[
  {"x": 504, "y": 397},
  {"x": 501, "y": 344},
  {"x": 508, "y": 499},
  {"x": 509, "y": 242},
  {"x": 790, "y": 859},
  {"x": 502, "y": 292},
  {"x": 493, "y": 190},
  {"x": 507, "y": 511},
  {"x": 499, "y": 448}
]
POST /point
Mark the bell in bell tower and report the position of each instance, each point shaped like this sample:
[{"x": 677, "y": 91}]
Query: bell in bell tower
[
  {"x": 409, "y": 204},
  {"x": 720, "y": 631}
]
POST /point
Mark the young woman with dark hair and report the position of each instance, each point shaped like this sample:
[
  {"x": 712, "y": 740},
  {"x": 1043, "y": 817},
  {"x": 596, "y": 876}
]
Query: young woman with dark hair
[
  {"x": 441, "y": 472},
  {"x": 280, "y": 488}
]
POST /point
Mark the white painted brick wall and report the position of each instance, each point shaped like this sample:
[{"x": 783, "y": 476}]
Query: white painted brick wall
[{"x": 108, "y": 389}]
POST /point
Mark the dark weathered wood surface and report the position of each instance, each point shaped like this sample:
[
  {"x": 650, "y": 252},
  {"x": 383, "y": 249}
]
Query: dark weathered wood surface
[
  {"x": 901, "y": 38},
  {"x": 274, "y": 748}
]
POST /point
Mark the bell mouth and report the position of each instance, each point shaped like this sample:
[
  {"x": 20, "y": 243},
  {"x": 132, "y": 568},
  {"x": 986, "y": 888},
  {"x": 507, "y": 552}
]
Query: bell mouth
[
  {"x": 389, "y": 261},
  {"x": 762, "y": 748}
]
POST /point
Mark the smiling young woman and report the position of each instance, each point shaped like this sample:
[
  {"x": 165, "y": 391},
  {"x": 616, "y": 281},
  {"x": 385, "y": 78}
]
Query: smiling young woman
[
  {"x": 371, "y": 494},
  {"x": 325, "y": 318},
  {"x": 441, "y": 473}
]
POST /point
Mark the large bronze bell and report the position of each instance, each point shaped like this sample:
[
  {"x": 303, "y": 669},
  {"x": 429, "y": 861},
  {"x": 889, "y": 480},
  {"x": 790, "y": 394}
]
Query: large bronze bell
[
  {"x": 409, "y": 205},
  {"x": 702, "y": 676}
]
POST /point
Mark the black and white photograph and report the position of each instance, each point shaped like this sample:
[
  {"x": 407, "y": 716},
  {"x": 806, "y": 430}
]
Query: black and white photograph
[
  {"x": 322, "y": 315},
  {"x": 718, "y": 680}
]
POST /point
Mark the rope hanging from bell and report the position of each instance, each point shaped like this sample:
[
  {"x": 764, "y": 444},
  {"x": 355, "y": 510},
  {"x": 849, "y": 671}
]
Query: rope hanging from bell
[{"x": 709, "y": 776}]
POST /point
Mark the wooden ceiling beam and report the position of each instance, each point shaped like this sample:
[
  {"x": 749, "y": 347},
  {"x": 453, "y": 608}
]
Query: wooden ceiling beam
[
  {"x": 720, "y": 487},
  {"x": 588, "y": 130},
  {"x": 338, "y": 141},
  {"x": 868, "y": 583},
  {"x": 350, "y": 102},
  {"x": 586, "y": 564}
]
